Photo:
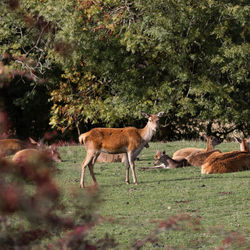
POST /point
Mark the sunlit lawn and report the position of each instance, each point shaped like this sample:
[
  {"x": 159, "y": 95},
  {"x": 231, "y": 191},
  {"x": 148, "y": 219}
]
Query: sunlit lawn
[{"x": 220, "y": 203}]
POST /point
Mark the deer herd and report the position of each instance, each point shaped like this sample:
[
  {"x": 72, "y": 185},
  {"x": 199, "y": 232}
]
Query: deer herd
[
  {"x": 125, "y": 144},
  {"x": 28, "y": 151}
]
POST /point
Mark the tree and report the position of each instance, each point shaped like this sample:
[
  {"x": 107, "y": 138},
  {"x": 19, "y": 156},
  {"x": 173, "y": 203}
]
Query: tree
[
  {"x": 27, "y": 38},
  {"x": 185, "y": 57},
  {"x": 108, "y": 60}
]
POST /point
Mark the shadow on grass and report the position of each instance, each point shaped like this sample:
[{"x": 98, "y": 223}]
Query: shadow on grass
[
  {"x": 160, "y": 181},
  {"x": 196, "y": 176},
  {"x": 224, "y": 176}
]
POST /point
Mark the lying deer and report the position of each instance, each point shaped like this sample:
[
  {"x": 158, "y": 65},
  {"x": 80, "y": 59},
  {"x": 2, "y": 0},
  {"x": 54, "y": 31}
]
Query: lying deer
[
  {"x": 184, "y": 152},
  {"x": 32, "y": 155},
  {"x": 229, "y": 162},
  {"x": 168, "y": 162},
  {"x": 105, "y": 157},
  {"x": 11, "y": 146},
  {"x": 196, "y": 159},
  {"x": 24, "y": 149},
  {"x": 128, "y": 140}
]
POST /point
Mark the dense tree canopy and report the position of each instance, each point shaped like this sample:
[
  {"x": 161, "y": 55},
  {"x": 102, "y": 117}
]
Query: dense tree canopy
[{"x": 102, "y": 62}]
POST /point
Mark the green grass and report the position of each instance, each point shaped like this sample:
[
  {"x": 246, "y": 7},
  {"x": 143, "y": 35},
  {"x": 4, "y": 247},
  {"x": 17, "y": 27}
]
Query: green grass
[{"x": 220, "y": 201}]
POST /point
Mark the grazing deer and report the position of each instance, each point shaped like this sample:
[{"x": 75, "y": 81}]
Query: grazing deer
[
  {"x": 11, "y": 146},
  {"x": 184, "y": 152},
  {"x": 128, "y": 140},
  {"x": 168, "y": 162},
  {"x": 31, "y": 154},
  {"x": 229, "y": 162}
]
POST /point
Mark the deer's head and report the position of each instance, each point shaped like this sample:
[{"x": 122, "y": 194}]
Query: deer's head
[{"x": 153, "y": 120}]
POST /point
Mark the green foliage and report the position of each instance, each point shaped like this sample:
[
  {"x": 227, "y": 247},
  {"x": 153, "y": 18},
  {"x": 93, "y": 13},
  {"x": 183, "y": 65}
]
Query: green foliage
[
  {"x": 106, "y": 61},
  {"x": 33, "y": 214},
  {"x": 185, "y": 57}
]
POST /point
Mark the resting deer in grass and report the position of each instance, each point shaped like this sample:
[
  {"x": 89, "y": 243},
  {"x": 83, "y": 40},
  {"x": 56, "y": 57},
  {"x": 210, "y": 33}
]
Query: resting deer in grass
[
  {"x": 31, "y": 155},
  {"x": 184, "y": 152},
  {"x": 168, "y": 162},
  {"x": 11, "y": 146},
  {"x": 24, "y": 150},
  {"x": 229, "y": 162},
  {"x": 105, "y": 157},
  {"x": 196, "y": 159},
  {"x": 128, "y": 140}
]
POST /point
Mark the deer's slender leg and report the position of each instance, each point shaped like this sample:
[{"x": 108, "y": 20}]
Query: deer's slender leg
[
  {"x": 92, "y": 173},
  {"x": 132, "y": 166},
  {"x": 88, "y": 159},
  {"x": 91, "y": 168},
  {"x": 127, "y": 168}
]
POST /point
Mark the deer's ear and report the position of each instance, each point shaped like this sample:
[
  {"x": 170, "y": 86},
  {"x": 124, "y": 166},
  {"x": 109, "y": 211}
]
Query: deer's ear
[
  {"x": 237, "y": 139},
  {"x": 146, "y": 115},
  {"x": 160, "y": 114},
  {"x": 205, "y": 136},
  {"x": 52, "y": 147},
  {"x": 33, "y": 141}
]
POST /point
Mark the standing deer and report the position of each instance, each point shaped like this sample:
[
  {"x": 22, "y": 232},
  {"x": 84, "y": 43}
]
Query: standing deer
[
  {"x": 229, "y": 162},
  {"x": 128, "y": 140},
  {"x": 184, "y": 152}
]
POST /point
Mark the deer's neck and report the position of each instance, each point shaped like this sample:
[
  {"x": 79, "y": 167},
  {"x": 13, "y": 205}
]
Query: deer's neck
[
  {"x": 209, "y": 146},
  {"x": 174, "y": 163},
  {"x": 169, "y": 162},
  {"x": 146, "y": 133},
  {"x": 244, "y": 146}
]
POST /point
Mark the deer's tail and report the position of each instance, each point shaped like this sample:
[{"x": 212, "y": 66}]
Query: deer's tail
[{"x": 82, "y": 138}]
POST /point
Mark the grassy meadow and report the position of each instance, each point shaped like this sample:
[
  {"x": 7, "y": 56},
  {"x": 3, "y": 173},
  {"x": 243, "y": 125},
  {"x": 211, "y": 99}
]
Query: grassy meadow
[{"x": 218, "y": 205}]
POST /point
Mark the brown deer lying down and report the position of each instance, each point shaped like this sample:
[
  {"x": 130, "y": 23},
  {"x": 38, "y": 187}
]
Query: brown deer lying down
[
  {"x": 233, "y": 161},
  {"x": 105, "y": 157},
  {"x": 128, "y": 140},
  {"x": 184, "y": 152},
  {"x": 11, "y": 146},
  {"x": 168, "y": 162},
  {"x": 157, "y": 156},
  {"x": 31, "y": 155},
  {"x": 196, "y": 159}
]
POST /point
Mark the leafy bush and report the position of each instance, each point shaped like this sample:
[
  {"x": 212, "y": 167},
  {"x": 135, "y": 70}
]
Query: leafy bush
[
  {"x": 28, "y": 193},
  {"x": 104, "y": 62}
]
